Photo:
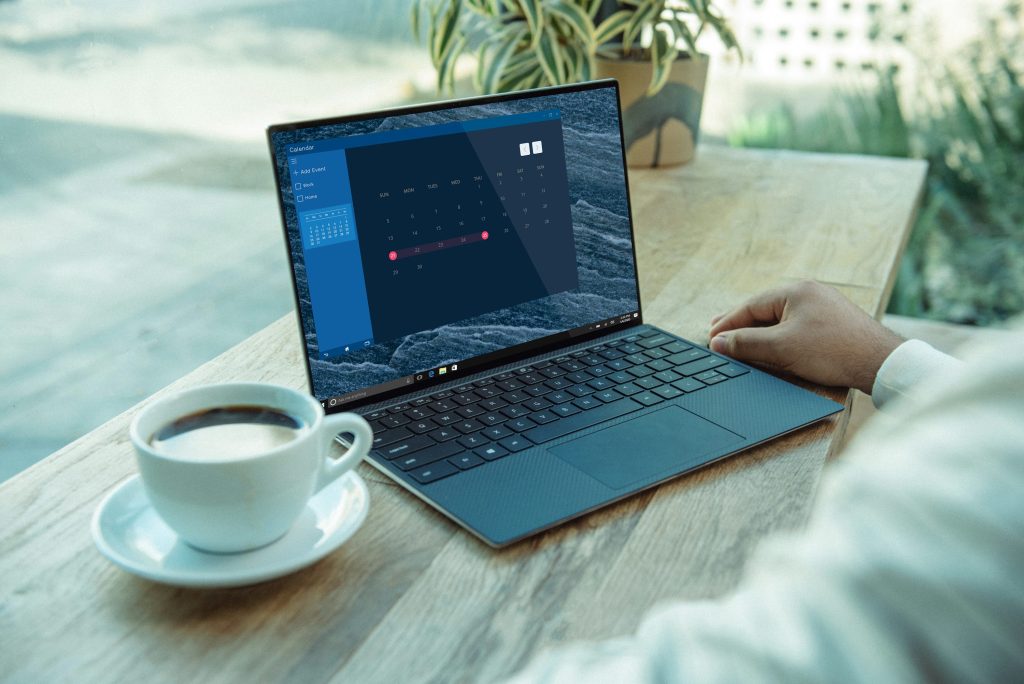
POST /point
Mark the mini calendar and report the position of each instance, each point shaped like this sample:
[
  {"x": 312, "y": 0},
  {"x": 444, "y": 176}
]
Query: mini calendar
[{"x": 326, "y": 226}]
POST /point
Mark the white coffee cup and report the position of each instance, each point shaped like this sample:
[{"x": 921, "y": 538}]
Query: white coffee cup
[{"x": 233, "y": 503}]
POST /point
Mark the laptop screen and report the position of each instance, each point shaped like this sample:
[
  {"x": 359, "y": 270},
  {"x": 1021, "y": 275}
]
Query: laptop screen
[{"x": 431, "y": 242}]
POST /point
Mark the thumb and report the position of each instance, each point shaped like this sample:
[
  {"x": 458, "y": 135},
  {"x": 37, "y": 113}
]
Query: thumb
[{"x": 759, "y": 345}]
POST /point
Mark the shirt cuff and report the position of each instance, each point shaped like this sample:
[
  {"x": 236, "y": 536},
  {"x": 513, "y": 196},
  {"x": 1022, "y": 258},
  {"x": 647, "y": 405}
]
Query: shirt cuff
[{"x": 906, "y": 367}]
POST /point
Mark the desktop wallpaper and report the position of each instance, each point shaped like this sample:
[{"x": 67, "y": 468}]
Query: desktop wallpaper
[{"x": 600, "y": 219}]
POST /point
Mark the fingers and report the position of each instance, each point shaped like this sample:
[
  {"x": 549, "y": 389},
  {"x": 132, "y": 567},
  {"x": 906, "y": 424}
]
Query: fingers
[
  {"x": 762, "y": 309},
  {"x": 756, "y": 345}
]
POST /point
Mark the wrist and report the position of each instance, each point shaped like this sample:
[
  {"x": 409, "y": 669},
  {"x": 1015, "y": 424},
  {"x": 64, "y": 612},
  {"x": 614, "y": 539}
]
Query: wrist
[{"x": 883, "y": 344}]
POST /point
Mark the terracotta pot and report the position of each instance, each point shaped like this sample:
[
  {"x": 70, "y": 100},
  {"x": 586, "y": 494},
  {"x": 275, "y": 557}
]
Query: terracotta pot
[{"x": 660, "y": 130}]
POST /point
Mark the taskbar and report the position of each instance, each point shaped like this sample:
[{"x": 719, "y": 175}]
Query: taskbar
[{"x": 441, "y": 374}]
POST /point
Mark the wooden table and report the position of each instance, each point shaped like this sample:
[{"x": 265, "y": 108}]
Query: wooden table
[{"x": 412, "y": 598}]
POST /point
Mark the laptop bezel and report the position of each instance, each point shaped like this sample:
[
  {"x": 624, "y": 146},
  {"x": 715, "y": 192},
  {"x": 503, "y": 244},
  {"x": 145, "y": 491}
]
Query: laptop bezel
[{"x": 509, "y": 355}]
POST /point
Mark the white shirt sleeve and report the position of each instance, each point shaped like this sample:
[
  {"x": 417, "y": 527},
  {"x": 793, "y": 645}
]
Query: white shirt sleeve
[
  {"x": 911, "y": 568},
  {"x": 907, "y": 367}
]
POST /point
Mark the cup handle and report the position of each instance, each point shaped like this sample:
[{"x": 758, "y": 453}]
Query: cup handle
[{"x": 331, "y": 469}]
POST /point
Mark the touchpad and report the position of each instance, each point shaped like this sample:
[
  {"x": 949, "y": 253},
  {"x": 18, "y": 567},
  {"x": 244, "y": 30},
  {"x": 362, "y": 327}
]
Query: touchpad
[{"x": 669, "y": 440}]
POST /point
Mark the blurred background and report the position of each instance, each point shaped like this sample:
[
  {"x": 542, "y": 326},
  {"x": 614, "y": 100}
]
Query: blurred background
[{"x": 140, "y": 230}]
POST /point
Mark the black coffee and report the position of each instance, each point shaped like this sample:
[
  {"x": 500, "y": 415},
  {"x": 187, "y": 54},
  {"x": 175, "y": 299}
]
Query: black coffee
[{"x": 226, "y": 432}]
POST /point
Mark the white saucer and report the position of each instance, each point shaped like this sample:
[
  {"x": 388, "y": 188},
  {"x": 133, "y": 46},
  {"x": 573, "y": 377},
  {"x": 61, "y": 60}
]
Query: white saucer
[{"x": 129, "y": 532}]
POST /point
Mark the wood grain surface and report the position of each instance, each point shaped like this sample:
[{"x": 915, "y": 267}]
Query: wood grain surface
[{"x": 410, "y": 598}]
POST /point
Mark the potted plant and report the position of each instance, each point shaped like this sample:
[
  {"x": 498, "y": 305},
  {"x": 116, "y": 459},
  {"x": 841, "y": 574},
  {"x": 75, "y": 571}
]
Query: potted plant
[{"x": 650, "y": 46}]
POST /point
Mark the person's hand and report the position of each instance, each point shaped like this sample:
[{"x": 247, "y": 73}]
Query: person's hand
[{"x": 810, "y": 330}]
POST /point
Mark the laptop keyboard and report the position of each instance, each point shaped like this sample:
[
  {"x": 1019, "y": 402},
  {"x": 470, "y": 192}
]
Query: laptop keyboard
[{"x": 464, "y": 427}]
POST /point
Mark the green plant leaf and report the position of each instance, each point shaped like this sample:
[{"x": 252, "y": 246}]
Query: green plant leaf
[
  {"x": 644, "y": 15},
  {"x": 445, "y": 32},
  {"x": 592, "y": 8},
  {"x": 663, "y": 53},
  {"x": 446, "y": 69},
  {"x": 576, "y": 18},
  {"x": 682, "y": 31},
  {"x": 534, "y": 13},
  {"x": 492, "y": 76},
  {"x": 612, "y": 26},
  {"x": 414, "y": 19},
  {"x": 550, "y": 57}
]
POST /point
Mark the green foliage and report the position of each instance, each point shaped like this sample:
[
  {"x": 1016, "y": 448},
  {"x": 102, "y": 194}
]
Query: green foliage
[
  {"x": 529, "y": 43},
  {"x": 965, "y": 259}
]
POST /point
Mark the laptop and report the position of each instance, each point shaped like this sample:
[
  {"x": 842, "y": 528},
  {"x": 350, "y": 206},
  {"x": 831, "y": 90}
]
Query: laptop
[{"x": 465, "y": 278}]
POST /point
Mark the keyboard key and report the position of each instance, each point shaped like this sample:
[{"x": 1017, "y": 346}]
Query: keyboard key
[
  {"x": 401, "y": 408},
  {"x": 467, "y": 426},
  {"x": 640, "y": 371},
  {"x": 688, "y": 385},
  {"x": 497, "y": 432},
  {"x": 541, "y": 364},
  {"x": 578, "y": 376},
  {"x": 695, "y": 367},
  {"x": 559, "y": 397},
  {"x": 514, "y": 411},
  {"x": 620, "y": 364},
  {"x": 469, "y": 411},
  {"x": 421, "y": 401},
  {"x": 620, "y": 377},
  {"x": 578, "y": 354},
  {"x": 393, "y": 421},
  {"x": 520, "y": 424},
  {"x": 405, "y": 447},
  {"x": 492, "y": 404},
  {"x": 612, "y": 354},
  {"x": 515, "y": 397},
  {"x": 427, "y": 456},
  {"x": 732, "y": 370},
  {"x": 443, "y": 406},
  {"x": 543, "y": 417},
  {"x": 419, "y": 413},
  {"x": 656, "y": 353},
  {"x": 473, "y": 441},
  {"x": 492, "y": 418},
  {"x": 504, "y": 376},
  {"x": 422, "y": 426},
  {"x": 601, "y": 384},
  {"x": 538, "y": 390},
  {"x": 687, "y": 356},
  {"x": 580, "y": 390},
  {"x": 655, "y": 341},
  {"x": 488, "y": 392},
  {"x": 649, "y": 382},
  {"x": 531, "y": 378},
  {"x": 565, "y": 409},
  {"x": 462, "y": 389},
  {"x": 608, "y": 396},
  {"x": 537, "y": 404},
  {"x": 492, "y": 452},
  {"x": 587, "y": 403},
  {"x": 389, "y": 437},
  {"x": 516, "y": 443},
  {"x": 675, "y": 347},
  {"x": 446, "y": 418},
  {"x": 443, "y": 434},
  {"x": 483, "y": 382},
  {"x": 667, "y": 376},
  {"x": 465, "y": 399},
  {"x": 558, "y": 383},
  {"x": 376, "y": 414},
  {"x": 630, "y": 348},
  {"x": 434, "y": 472},
  {"x": 636, "y": 358},
  {"x": 713, "y": 378},
  {"x": 509, "y": 385},
  {"x": 659, "y": 365},
  {"x": 466, "y": 461},
  {"x": 627, "y": 389},
  {"x": 523, "y": 370},
  {"x": 573, "y": 366},
  {"x": 599, "y": 370},
  {"x": 632, "y": 338},
  {"x": 667, "y": 391},
  {"x": 443, "y": 394},
  {"x": 560, "y": 428},
  {"x": 552, "y": 371},
  {"x": 648, "y": 398},
  {"x": 592, "y": 360}
]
